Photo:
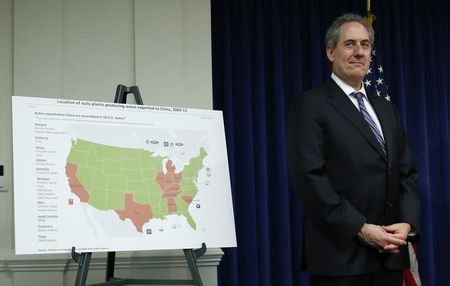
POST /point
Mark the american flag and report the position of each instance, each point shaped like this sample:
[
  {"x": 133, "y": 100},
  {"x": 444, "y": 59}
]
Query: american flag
[
  {"x": 411, "y": 276},
  {"x": 375, "y": 83},
  {"x": 374, "y": 80}
]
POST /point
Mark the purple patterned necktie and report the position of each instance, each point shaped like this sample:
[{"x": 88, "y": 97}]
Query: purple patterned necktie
[{"x": 362, "y": 108}]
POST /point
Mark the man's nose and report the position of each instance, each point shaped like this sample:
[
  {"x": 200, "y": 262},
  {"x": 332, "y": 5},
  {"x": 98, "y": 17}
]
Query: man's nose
[{"x": 358, "y": 50}]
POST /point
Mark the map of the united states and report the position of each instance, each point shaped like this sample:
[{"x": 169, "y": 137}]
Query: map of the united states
[{"x": 132, "y": 182}]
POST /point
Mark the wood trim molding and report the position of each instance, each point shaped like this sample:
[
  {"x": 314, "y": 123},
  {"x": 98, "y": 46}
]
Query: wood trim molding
[{"x": 9, "y": 262}]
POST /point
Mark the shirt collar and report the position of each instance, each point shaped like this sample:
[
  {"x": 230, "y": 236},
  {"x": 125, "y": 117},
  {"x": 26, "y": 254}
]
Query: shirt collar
[{"x": 347, "y": 88}]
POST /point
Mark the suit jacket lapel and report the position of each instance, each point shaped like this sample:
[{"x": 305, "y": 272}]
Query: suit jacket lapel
[{"x": 343, "y": 104}]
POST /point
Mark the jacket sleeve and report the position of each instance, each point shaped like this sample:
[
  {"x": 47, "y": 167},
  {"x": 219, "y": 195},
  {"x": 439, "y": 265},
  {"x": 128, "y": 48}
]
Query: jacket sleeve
[{"x": 409, "y": 200}]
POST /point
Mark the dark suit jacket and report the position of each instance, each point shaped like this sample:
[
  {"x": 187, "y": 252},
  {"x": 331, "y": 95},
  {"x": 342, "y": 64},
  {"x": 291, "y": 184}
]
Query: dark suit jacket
[{"x": 338, "y": 169}]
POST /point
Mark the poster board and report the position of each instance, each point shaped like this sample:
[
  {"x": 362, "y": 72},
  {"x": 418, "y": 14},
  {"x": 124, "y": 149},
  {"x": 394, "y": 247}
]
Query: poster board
[{"x": 115, "y": 177}]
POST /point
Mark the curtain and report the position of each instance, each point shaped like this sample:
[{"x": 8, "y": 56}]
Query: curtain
[{"x": 265, "y": 52}]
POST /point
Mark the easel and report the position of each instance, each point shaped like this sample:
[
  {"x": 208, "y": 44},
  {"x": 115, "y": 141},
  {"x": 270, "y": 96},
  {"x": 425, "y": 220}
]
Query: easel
[{"x": 84, "y": 259}]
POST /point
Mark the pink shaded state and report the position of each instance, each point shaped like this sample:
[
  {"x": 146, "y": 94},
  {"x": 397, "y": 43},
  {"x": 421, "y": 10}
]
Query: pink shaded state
[
  {"x": 74, "y": 184},
  {"x": 138, "y": 213},
  {"x": 187, "y": 199},
  {"x": 170, "y": 184}
]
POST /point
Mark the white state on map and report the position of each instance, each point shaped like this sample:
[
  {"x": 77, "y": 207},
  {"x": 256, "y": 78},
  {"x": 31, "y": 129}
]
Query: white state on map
[{"x": 112, "y": 177}]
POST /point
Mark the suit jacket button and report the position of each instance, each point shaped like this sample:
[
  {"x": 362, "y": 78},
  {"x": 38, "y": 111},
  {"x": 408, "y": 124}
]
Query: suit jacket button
[{"x": 389, "y": 204}]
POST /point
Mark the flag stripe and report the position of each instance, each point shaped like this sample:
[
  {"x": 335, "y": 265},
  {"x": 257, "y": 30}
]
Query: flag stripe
[
  {"x": 408, "y": 279},
  {"x": 414, "y": 270}
]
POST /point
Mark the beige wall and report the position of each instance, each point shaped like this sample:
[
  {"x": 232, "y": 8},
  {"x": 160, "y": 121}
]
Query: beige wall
[
  {"x": 81, "y": 49},
  {"x": 6, "y": 85}
]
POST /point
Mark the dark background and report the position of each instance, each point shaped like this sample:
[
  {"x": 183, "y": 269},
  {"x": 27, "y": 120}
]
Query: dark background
[{"x": 265, "y": 52}]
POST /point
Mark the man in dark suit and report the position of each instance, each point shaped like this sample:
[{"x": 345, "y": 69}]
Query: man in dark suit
[{"x": 350, "y": 163}]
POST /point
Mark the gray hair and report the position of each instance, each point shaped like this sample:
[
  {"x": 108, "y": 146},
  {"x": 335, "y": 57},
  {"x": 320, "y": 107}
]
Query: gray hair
[{"x": 333, "y": 32}]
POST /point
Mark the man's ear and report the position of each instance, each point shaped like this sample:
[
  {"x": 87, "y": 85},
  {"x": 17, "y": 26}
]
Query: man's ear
[{"x": 330, "y": 54}]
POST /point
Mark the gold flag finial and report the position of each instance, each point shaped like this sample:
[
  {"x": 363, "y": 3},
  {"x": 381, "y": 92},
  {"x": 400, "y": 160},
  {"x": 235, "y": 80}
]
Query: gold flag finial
[{"x": 370, "y": 18}]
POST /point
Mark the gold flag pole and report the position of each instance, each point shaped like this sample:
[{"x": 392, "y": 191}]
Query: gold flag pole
[{"x": 370, "y": 17}]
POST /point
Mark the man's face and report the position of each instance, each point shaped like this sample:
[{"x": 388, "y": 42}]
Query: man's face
[{"x": 351, "y": 56}]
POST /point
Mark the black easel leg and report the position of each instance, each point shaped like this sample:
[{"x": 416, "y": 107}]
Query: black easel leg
[
  {"x": 110, "y": 262},
  {"x": 83, "y": 268},
  {"x": 191, "y": 261}
]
